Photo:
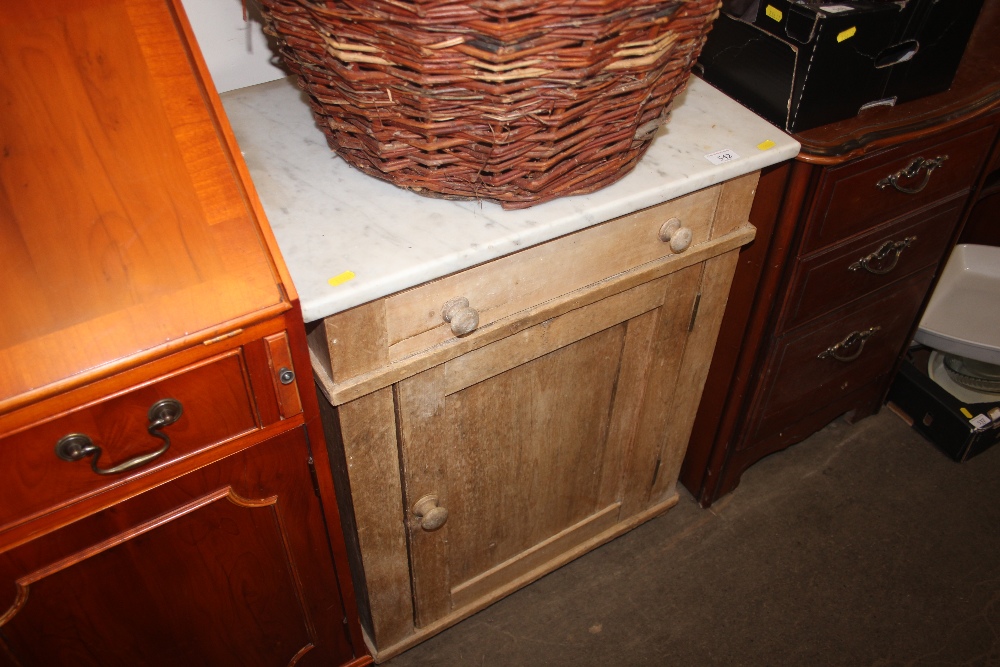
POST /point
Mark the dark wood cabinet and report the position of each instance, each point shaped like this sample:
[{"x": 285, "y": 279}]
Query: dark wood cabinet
[
  {"x": 166, "y": 497},
  {"x": 225, "y": 565},
  {"x": 851, "y": 237},
  {"x": 983, "y": 225}
]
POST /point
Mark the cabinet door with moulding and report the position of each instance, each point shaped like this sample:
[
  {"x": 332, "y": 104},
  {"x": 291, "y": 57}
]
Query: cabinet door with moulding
[
  {"x": 227, "y": 565},
  {"x": 505, "y": 443},
  {"x": 524, "y": 450}
]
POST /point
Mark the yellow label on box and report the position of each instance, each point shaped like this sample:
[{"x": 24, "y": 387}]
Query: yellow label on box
[
  {"x": 774, "y": 13},
  {"x": 846, "y": 34}
]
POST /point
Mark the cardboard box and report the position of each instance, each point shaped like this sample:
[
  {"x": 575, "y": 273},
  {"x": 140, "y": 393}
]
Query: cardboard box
[
  {"x": 937, "y": 415},
  {"x": 804, "y": 64}
]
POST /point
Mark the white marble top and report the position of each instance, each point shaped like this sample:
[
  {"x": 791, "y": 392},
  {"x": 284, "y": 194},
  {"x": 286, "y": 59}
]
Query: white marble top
[{"x": 330, "y": 219}]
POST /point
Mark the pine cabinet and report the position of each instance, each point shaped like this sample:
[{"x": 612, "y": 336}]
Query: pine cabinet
[
  {"x": 166, "y": 496},
  {"x": 490, "y": 426}
]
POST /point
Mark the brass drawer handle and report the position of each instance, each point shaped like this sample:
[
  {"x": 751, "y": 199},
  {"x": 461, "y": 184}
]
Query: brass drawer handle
[
  {"x": 76, "y": 446},
  {"x": 883, "y": 260},
  {"x": 856, "y": 339},
  {"x": 910, "y": 172}
]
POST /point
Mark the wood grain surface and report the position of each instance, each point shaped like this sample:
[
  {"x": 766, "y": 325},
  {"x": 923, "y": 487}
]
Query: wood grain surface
[
  {"x": 383, "y": 376},
  {"x": 123, "y": 225},
  {"x": 515, "y": 282},
  {"x": 243, "y": 537},
  {"x": 555, "y": 426},
  {"x": 217, "y": 405}
]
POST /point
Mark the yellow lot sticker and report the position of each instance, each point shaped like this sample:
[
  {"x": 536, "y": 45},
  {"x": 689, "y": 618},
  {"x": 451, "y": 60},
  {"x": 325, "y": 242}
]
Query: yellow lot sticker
[
  {"x": 341, "y": 278},
  {"x": 766, "y": 145},
  {"x": 846, "y": 34},
  {"x": 773, "y": 12},
  {"x": 965, "y": 411}
]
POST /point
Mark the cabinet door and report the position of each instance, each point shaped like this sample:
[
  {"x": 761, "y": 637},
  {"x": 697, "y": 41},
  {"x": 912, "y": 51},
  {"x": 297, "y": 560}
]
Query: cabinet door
[
  {"x": 228, "y": 565},
  {"x": 525, "y": 442}
]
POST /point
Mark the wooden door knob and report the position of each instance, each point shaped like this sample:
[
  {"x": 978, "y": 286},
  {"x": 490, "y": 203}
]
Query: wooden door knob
[
  {"x": 432, "y": 517},
  {"x": 676, "y": 234},
  {"x": 463, "y": 319}
]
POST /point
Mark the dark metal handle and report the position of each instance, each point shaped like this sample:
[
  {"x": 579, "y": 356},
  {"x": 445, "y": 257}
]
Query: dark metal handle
[
  {"x": 875, "y": 262},
  {"x": 911, "y": 171},
  {"x": 76, "y": 446},
  {"x": 854, "y": 339}
]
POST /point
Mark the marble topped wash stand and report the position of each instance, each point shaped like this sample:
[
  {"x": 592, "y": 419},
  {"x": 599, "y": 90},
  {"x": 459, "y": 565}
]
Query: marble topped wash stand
[
  {"x": 329, "y": 218},
  {"x": 478, "y": 445}
]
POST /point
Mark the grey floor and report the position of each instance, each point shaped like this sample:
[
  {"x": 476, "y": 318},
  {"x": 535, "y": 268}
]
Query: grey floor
[{"x": 861, "y": 546}]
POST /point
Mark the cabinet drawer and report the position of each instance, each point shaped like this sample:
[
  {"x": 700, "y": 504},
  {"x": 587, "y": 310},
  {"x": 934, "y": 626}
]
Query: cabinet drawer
[
  {"x": 833, "y": 278},
  {"x": 805, "y": 376},
  {"x": 858, "y": 196},
  {"x": 216, "y": 405},
  {"x": 513, "y": 283}
]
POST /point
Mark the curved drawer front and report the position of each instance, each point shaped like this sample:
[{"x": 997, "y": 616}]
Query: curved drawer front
[
  {"x": 515, "y": 282},
  {"x": 216, "y": 406},
  {"x": 831, "y": 279},
  {"x": 853, "y": 198},
  {"x": 809, "y": 370}
]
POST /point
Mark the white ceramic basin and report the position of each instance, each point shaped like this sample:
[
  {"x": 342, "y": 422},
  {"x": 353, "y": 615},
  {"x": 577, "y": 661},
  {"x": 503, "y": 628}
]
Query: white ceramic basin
[{"x": 963, "y": 315}]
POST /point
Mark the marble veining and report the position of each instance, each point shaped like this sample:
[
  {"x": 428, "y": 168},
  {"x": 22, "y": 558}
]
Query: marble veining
[{"x": 329, "y": 218}]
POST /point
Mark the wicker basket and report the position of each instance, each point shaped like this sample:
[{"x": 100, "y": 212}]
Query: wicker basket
[{"x": 515, "y": 101}]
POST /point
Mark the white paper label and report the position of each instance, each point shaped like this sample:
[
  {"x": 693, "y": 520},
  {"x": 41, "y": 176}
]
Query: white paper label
[
  {"x": 722, "y": 157},
  {"x": 980, "y": 421},
  {"x": 836, "y": 9}
]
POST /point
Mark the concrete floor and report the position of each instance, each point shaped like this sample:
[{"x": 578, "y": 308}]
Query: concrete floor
[{"x": 861, "y": 546}]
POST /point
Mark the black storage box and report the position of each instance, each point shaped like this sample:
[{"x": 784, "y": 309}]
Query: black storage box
[
  {"x": 804, "y": 64},
  {"x": 937, "y": 31},
  {"x": 937, "y": 415}
]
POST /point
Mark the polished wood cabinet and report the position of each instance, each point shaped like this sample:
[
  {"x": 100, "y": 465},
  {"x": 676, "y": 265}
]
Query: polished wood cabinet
[
  {"x": 166, "y": 497},
  {"x": 492, "y": 425},
  {"x": 224, "y": 565},
  {"x": 853, "y": 234}
]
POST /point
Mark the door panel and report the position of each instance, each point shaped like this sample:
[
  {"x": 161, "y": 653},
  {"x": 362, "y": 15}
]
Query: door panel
[
  {"x": 206, "y": 569},
  {"x": 226, "y": 547},
  {"x": 524, "y": 442},
  {"x": 531, "y": 446}
]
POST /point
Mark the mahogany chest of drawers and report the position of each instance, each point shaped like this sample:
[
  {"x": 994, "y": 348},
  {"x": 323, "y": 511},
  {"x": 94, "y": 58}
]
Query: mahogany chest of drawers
[{"x": 852, "y": 235}]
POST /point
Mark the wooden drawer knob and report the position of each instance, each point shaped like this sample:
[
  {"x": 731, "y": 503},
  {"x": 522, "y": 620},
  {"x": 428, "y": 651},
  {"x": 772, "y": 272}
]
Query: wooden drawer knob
[
  {"x": 432, "y": 517},
  {"x": 676, "y": 234},
  {"x": 463, "y": 319}
]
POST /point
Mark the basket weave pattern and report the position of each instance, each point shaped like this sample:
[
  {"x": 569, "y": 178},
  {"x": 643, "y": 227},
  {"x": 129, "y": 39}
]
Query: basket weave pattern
[{"x": 515, "y": 101}]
